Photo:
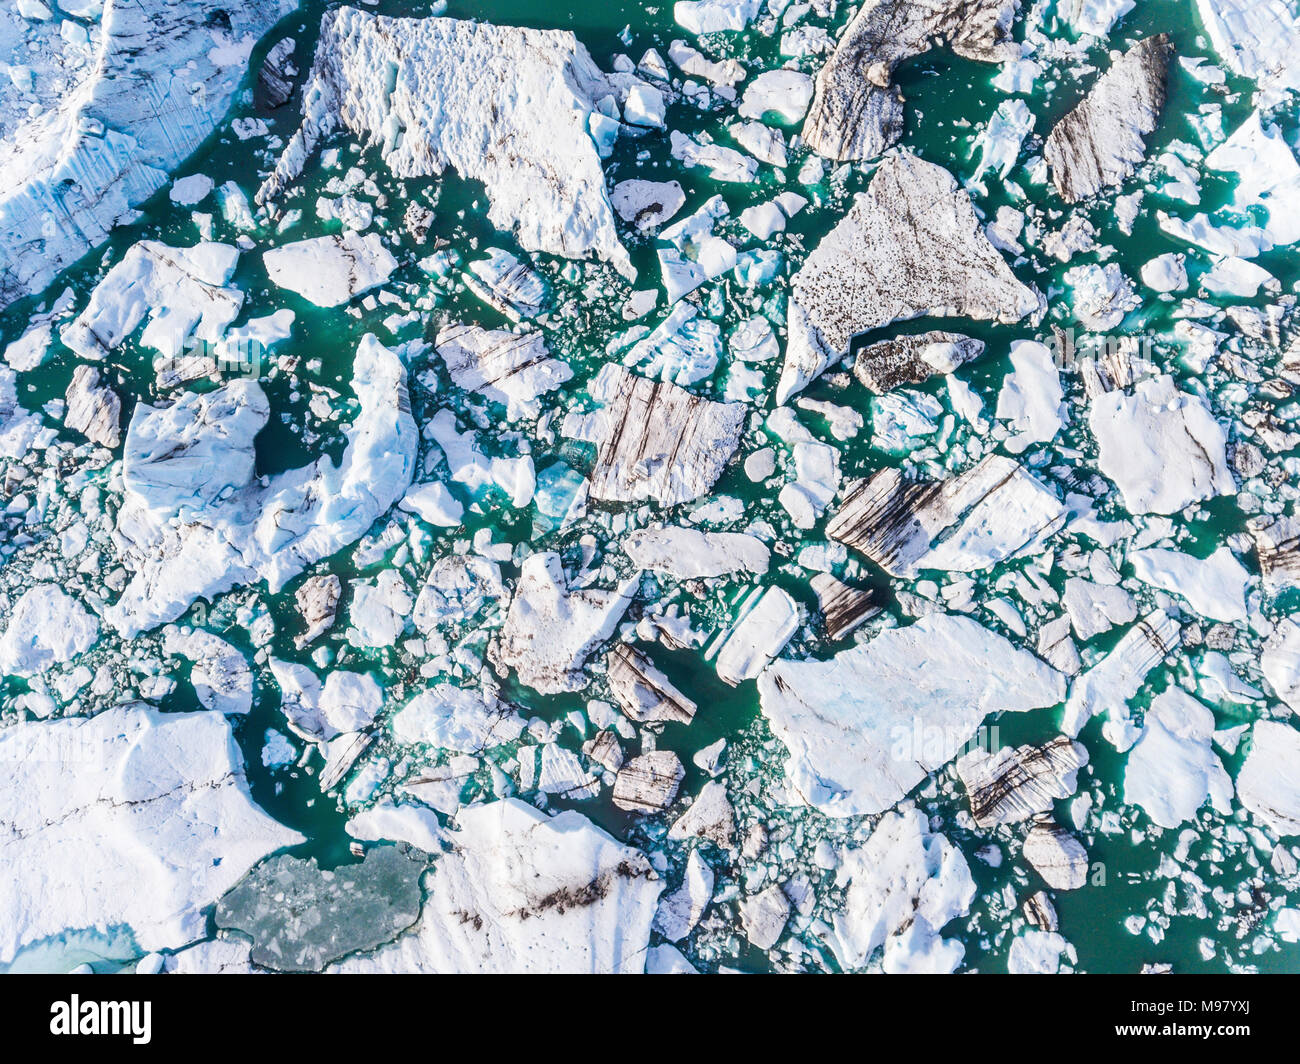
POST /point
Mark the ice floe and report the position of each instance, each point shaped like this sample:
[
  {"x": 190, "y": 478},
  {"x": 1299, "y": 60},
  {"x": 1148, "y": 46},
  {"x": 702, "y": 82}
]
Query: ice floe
[
  {"x": 513, "y": 369},
  {"x": 873, "y": 269},
  {"x": 155, "y": 803},
  {"x": 521, "y": 891},
  {"x": 688, "y": 553},
  {"x": 867, "y": 725},
  {"x": 767, "y": 620},
  {"x": 1269, "y": 782},
  {"x": 1109, "y": 684},
  {"x": 195, "y": 522},
  {"x": 1214, "y": 587},
  {"x": 46, "y": 626},
  {"x": 1161, "y": 446},
  {"x": 1013, "y": 784},
  {"x": 523, "y": 100},
  {"x": 1172, "y": 770},
  {"x": 330, "y": 270},
  {"x": 904, "y": 885}
]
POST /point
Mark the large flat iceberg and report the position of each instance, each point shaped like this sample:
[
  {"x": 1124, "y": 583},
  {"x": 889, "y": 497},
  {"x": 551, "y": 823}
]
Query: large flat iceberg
[
  {"x": 132, "y": 817},
  {"x": 866, "y": 726}
]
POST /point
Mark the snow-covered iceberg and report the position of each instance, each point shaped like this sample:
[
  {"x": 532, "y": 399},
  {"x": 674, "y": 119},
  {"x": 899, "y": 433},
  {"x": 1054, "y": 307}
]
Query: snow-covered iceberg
[
  {"x": 507, "y": 106},
  {"x": 195, "y": 521},
  {"x": 132, "y": 817}
]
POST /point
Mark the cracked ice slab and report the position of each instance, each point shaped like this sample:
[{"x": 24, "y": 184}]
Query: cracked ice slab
[
  {"x": 964, "y": 524},
  {"x": 184, "y": 292},
  {"x": 1109, "y": 684},
  {"x": 654, "y": 440},
  {"x": 521, "y": 891},
  {"x": 904, "y": 884},
  {"x": 507, "y": 106},
  {"x": 866, "y": 726},
  {"x": 162, "y": 78},
  {"x": 152, "y": 807}
]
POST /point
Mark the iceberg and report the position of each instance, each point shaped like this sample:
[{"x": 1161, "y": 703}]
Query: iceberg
[
  {"x": 152, "y": 808},
  {"x": 195, "y": 522},
  {"x": 78, "y": 169},
  {"x": 910, "y": 246},
  {"x": 521, "y": 892},
  {"x": 904, "y": 885},
  {"x": 506, "y": 106},
  {"x": 867, "y": 725}
]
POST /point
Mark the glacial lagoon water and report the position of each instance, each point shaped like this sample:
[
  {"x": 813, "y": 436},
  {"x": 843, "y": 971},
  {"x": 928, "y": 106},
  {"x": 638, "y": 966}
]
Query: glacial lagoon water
[{"x": 1137, "y": 906}]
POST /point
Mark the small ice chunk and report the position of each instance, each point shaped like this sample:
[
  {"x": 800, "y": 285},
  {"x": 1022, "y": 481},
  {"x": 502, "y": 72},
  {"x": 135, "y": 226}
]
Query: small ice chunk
[
  {"x": 330, "y": 270},
  {"x": 1214, "y": 587},
  {"x": 784, "y": 93},
  {"x": 187, "y": 191}
]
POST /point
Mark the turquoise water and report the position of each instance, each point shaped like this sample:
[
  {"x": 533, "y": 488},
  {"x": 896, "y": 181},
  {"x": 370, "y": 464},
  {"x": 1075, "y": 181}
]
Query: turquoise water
[{"x": 948, "y": 100}]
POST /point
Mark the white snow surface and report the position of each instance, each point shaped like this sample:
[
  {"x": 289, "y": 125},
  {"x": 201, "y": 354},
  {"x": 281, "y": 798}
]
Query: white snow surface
[
  {"x": 507, "y": 106},
  {"x": 1161, "y": 446},
  {"x": 152, "y": 807},
  {"x": 867, "y": 725}
]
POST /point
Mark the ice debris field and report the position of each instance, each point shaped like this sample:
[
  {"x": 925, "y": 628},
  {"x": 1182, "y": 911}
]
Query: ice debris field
[{"x": 731, "y": 485}]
